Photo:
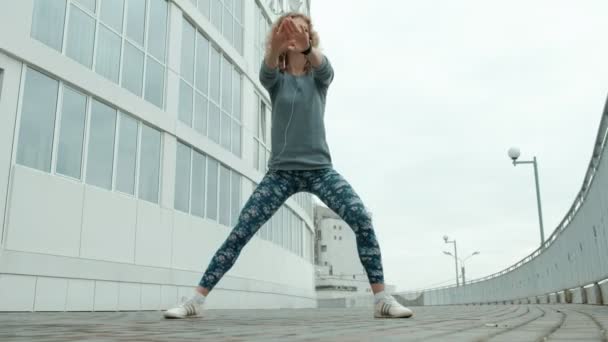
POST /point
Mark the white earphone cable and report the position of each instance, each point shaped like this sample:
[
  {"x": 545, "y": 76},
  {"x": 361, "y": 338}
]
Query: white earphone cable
[{"x": 288, "y": 122}]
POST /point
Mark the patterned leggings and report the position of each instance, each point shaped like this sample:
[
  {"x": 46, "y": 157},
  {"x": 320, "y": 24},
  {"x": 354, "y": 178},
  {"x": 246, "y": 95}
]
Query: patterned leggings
[{"x": 276, "y": 187}]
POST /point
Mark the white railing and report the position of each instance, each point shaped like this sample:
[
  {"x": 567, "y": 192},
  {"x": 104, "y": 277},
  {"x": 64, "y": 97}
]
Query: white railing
[{"x": 574, "y": 256}]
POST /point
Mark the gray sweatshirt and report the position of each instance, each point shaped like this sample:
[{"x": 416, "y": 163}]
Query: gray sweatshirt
[{"x": 298, "y": 109}]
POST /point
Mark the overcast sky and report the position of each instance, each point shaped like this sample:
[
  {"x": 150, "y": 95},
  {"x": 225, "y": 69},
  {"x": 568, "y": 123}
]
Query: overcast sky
[{"x": 428, "y": 97}]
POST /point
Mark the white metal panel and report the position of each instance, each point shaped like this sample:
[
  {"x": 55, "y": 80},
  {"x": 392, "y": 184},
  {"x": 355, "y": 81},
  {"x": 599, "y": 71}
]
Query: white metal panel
[
  {"x": 45, "y": 213},
  {"x": 150, "y": 297},
  {"x": 80, "y": 295},
  {"x": 153, "y": 235},
  {"x": 9, "y": 95},
  {"x": 129, "y": 296},
  {"x": 17, "y": 292},
  {"x": 106, "y": 217},
  {"x": 51, "y": 294},
  {"x": 168, "y": 295},
  {"x": 187, "y": 239},
  {"x": 106, "y": 296}
]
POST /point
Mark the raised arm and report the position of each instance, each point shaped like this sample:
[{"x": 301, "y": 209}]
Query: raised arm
[
  {"x": 302, "y": 41},
  {"x": 322, "y": 69},
  {"x": 279, "y": 43}
]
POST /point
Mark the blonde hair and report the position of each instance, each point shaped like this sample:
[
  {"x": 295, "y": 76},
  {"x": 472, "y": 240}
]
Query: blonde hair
[{"x": 283, "y": 58}]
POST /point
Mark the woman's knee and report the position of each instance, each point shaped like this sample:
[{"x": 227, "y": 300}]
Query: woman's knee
[{"x": 358, "y": 216}]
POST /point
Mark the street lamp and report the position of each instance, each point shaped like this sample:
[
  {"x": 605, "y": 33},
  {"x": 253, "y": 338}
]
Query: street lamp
[
  {"x": 464, "y": 281},
  {"x": 445, "y": 238},
  {"x": 462, "y": 268},
  {"x": 514, "y": 154}
]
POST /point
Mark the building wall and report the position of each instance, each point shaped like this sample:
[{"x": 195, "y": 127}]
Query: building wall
[
  {"x": 339, "y": 249},
  {"x": 106, "y": 170},
  {"x": 339, "y": 272}
]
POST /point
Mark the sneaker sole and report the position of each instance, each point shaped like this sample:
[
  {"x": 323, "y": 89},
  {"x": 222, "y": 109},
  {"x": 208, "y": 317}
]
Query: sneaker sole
[
  {"x": 180, "y": 317},
  {"x": 382, "y": 316}
]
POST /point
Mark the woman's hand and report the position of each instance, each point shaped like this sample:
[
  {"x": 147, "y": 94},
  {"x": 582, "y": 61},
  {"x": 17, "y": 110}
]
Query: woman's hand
[
  {"x": 298, "y": 35},
  {"x": 289, "y": 36},
  {"x": 281, "y": 39}
]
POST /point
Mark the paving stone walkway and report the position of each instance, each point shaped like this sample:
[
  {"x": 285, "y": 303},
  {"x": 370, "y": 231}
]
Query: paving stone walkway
[{"x": 439, "y": 323}]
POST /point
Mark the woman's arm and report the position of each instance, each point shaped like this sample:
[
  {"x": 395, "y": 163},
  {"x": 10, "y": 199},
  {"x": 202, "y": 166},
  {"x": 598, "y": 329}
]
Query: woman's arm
[
  {"x": 279, "y": 43},
  {"x": 322, "y": 69},
  {"x": 323, "y": 72}
]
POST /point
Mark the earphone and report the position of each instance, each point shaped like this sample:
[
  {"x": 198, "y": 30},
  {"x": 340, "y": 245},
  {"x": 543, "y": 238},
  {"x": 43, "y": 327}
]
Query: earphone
[{"x": 293, "y": 101}]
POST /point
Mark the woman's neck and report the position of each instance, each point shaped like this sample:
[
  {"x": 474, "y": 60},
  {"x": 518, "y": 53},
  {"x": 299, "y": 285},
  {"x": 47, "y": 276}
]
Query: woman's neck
[{"x": 297, "y": 64}]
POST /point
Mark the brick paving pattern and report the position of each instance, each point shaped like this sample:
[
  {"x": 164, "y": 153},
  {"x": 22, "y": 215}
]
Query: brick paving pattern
[{"x": 568, "y": 322}]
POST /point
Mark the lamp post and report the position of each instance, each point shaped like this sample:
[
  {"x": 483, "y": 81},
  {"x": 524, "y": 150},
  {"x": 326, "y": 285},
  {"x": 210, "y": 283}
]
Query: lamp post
[
  {"x": 445, "y": 238},
  {"x": 462, "y": 268},
  {"x": 514, "y": 154}
]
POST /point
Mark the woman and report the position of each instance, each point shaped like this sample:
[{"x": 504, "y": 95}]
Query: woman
[{"x": 297, "y": 76}]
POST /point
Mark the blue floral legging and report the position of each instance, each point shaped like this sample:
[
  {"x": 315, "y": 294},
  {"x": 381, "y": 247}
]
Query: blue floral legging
[{"x": 276, "y": 187}]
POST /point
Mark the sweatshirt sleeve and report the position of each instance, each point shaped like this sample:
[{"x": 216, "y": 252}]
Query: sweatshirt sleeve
[
  {"x": 269, "y": 77},
  {"x": 324, "y": 73}
]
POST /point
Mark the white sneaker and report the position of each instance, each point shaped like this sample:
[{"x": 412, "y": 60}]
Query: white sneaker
[
  {"x": 189, "y": 308},
  {"x": 388, "y": 307}
]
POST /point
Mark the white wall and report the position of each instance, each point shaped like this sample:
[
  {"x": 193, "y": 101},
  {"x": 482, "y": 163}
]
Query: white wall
[
  {"x": 67, "y": 245},
  {"x": 341, "y": 252}
]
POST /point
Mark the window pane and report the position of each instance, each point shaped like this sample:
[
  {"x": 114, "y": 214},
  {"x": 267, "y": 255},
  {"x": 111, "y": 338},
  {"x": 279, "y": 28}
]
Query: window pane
[
  {"x": 71, "y": 134},
  {"x": 238, "y": 10},
  {"x": 185, "y": 103},
  {"x": 101, "y": 145},
  {"x": 238, "y": 38},
  {"x": 227, "y": 25},
  {"x": 203, "y": 6},
  {"x": 182, "y": 178},
  {"x": 157, "y": 33},
  {"x": 226, "y": 85},
  {"x": 112, "y": 12},
  {"x": 224, "y": 196},
  {"x": 214, "y": 123},
  {"x": 37, "y": 121},
  {"x": 288, "y": 233},
  {"x": 216, "y": 14},
  {"x": 188, "y": 45},
  {"x": 278, "y": 233},
  {"x": 256, "y": 153},
  {"x": 226, "y": 129},
  {"x": 155, "y": 83},
  {"x": 126, "y": 155},
  {"x": 214, "y": 75},
  {"x": 47, "y": 22},
  {"x": 136, "y": 14},
  {"x": 236, "y": 138},
  {"x": 149, "y": 164},
  {"x": 198, "y": 184},
  {"x": 257, "y": 116},
  {"x": 212, "y": 173},
  {"x": 235, "y": 199},
  {"x": 285, "y": 228},
  {"x": 133, "y": 69},
  {"x": 81, "y": 37},
  {"x": 262, "y": 160},
  {"x": 89, "y": 4},
  {"x": 236, "y": 95},
  {"x": 108, "y": 54},
  {"x": 263, "y": 116},
  {"x": 200, "y": 114},
  {"x": 202, "y": 64}
]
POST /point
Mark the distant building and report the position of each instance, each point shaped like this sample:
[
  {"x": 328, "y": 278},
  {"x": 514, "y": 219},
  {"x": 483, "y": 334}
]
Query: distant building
[{"x": 339, "y": 272}]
